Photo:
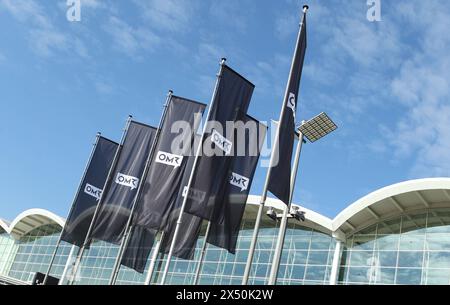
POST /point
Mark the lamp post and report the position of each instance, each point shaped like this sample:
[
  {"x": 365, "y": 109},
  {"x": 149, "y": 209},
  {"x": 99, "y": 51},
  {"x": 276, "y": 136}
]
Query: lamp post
[{"x": 314, "y": 129}]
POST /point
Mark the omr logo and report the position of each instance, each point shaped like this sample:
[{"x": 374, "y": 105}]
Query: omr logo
[
  {"x": 292, "y": 102},
  {"x": 128, "y": 181},
  {"x": 239, "y": 181},
  {"x": 93, "y": 191},
  {"x": 169, "y": 159},
  {"x": 196, "y": 195},
  {"x": 221, "y": 142}
]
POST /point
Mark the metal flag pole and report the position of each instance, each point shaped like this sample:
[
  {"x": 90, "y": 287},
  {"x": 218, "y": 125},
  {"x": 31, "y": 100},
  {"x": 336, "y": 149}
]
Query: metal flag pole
[
  {"x": 97, "y": 139},
  {"x": 191, "y": 178},
  {"x": 284, "y": 219},
  {"x": 100, "y": 202},
  {"x": 67, "y": 266},
  {"x": 202, "y": 255},
  {"x": 151, "y": 269},
  {"x": 129, "y": 227},
  {"x": 251, "y": 253}
]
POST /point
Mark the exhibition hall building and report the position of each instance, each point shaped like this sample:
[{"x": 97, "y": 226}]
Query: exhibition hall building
[{"x": 397, "y": 235}]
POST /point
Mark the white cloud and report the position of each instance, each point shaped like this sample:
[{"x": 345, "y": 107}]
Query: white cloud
[
  {"x": 27, "y": 11},
  {"x": 45, "y": 38},
  {"x": 209, "y": 52},
  {"x": 170, "y": 15},
  {"x": 285, "y": 25},
  {"x": 365, "y": 44},
  {"x": 423, "y": 88},
  {"x": 130, "y": 40},
  {"x": 45, "y": 42},
  {"x": 221, "y": 11},
  {"x": 396, "y": 71},
  {"x": 270, "y": 76}
]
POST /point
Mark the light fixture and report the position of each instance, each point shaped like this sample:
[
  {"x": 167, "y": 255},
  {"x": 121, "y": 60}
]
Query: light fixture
[
  {"x": 272, "y": 214},
  {"x": 297, "y": 214},
  {"x": 318, "y": 127}
]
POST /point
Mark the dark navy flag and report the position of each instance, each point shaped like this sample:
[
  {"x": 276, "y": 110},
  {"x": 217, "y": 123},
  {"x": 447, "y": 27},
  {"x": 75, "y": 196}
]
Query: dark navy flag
[
  {"x": 190, "y": 226},
  {"x": 212, "y": 171},
  {"x": 187, "y": 238},
  {"x": 115, "y": 209},
  {"x": 86, "y": 200},
  {"x": 224, "y": 233},
  {"x": 162, "y": 183},
  {"x": 138, "y": 249},
  {"x": 280, "y": 177}
]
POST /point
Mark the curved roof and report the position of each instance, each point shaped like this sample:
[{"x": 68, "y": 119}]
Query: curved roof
[
  {"x": 30, "y": 220},
  {"x": 393, "y": 200},
  {"x": 4, "y": 225}
]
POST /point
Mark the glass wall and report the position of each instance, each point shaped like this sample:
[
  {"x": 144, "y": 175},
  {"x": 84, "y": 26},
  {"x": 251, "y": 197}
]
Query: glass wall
[
  {"x": 7, "y": 252},
  {"x": 34, "y": 251},
  {"x": 306, "y": 259},
  {"x": 412, "y": 249}
]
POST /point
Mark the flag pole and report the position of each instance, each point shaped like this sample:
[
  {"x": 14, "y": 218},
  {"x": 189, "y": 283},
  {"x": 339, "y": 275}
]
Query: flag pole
[
  {"x": 284, "y": 219},
  {"x": 66, "y": 267},
  {"x": 100, "y": 202},
  {"x": 97, "y": 139},
  {"x": 129, "y": 227},
  {"x": 155, "y": 254},
  {"x": 202, "y": 255},
  {"x": 191, "y": 178},
  {"x": 248, "y": 266}
]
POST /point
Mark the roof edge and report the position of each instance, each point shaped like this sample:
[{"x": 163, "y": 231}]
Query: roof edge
[{"x": 386, "y": 192}]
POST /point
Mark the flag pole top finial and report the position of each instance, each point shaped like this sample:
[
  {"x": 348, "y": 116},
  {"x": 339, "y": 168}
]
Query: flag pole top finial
[
  {"x": 170, "y": 92},
  {"x": 130, "y": 116},
  {"x": 305, "y": 8},
  {"x": 99, "y": 134},
  {"x": 223, "y": 60}
]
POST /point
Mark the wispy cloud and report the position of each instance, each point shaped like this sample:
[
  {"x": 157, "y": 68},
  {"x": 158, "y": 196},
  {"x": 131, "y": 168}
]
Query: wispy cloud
[
  {"x": 169, "y": 15},
  {"x": 130, "y": 40},
  {"x": 423, "y": 88},
  {"x": 103, "y": 88},
  {"x": 27, "y": 11},
  {"x": 45, "y": 38},
  {"x": 209, "y": 52},
  {"x": 398, "y": 68},
  {"x": 221, "y": 11}
]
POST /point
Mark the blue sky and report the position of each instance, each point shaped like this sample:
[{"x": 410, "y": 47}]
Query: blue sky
[{"x": 385, "y": 83}]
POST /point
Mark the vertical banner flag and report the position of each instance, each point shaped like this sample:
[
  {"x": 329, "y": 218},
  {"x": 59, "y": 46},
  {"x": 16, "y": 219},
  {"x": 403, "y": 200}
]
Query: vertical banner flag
[
  {"x": 190, "y": 227},
  {"x": 279, "y": 183},
  {"x": 187, "y": 239},
  {"x": 162, "y": 183},
  {"x": 232, "y": 98},
  {"x": 138, "y": 249},
  {"x": 224, "y": 233},
  {"x": 77, "y": 224},
  {"x": 115, "y": 210}
]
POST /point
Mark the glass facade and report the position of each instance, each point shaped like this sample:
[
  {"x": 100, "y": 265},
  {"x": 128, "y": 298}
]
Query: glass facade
[
  {"x": 34, "y": 251},
  {"x": 7, "y": 251},
  {"x": 412, "y": 248},
  {"x": 306, "y": 260}
]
